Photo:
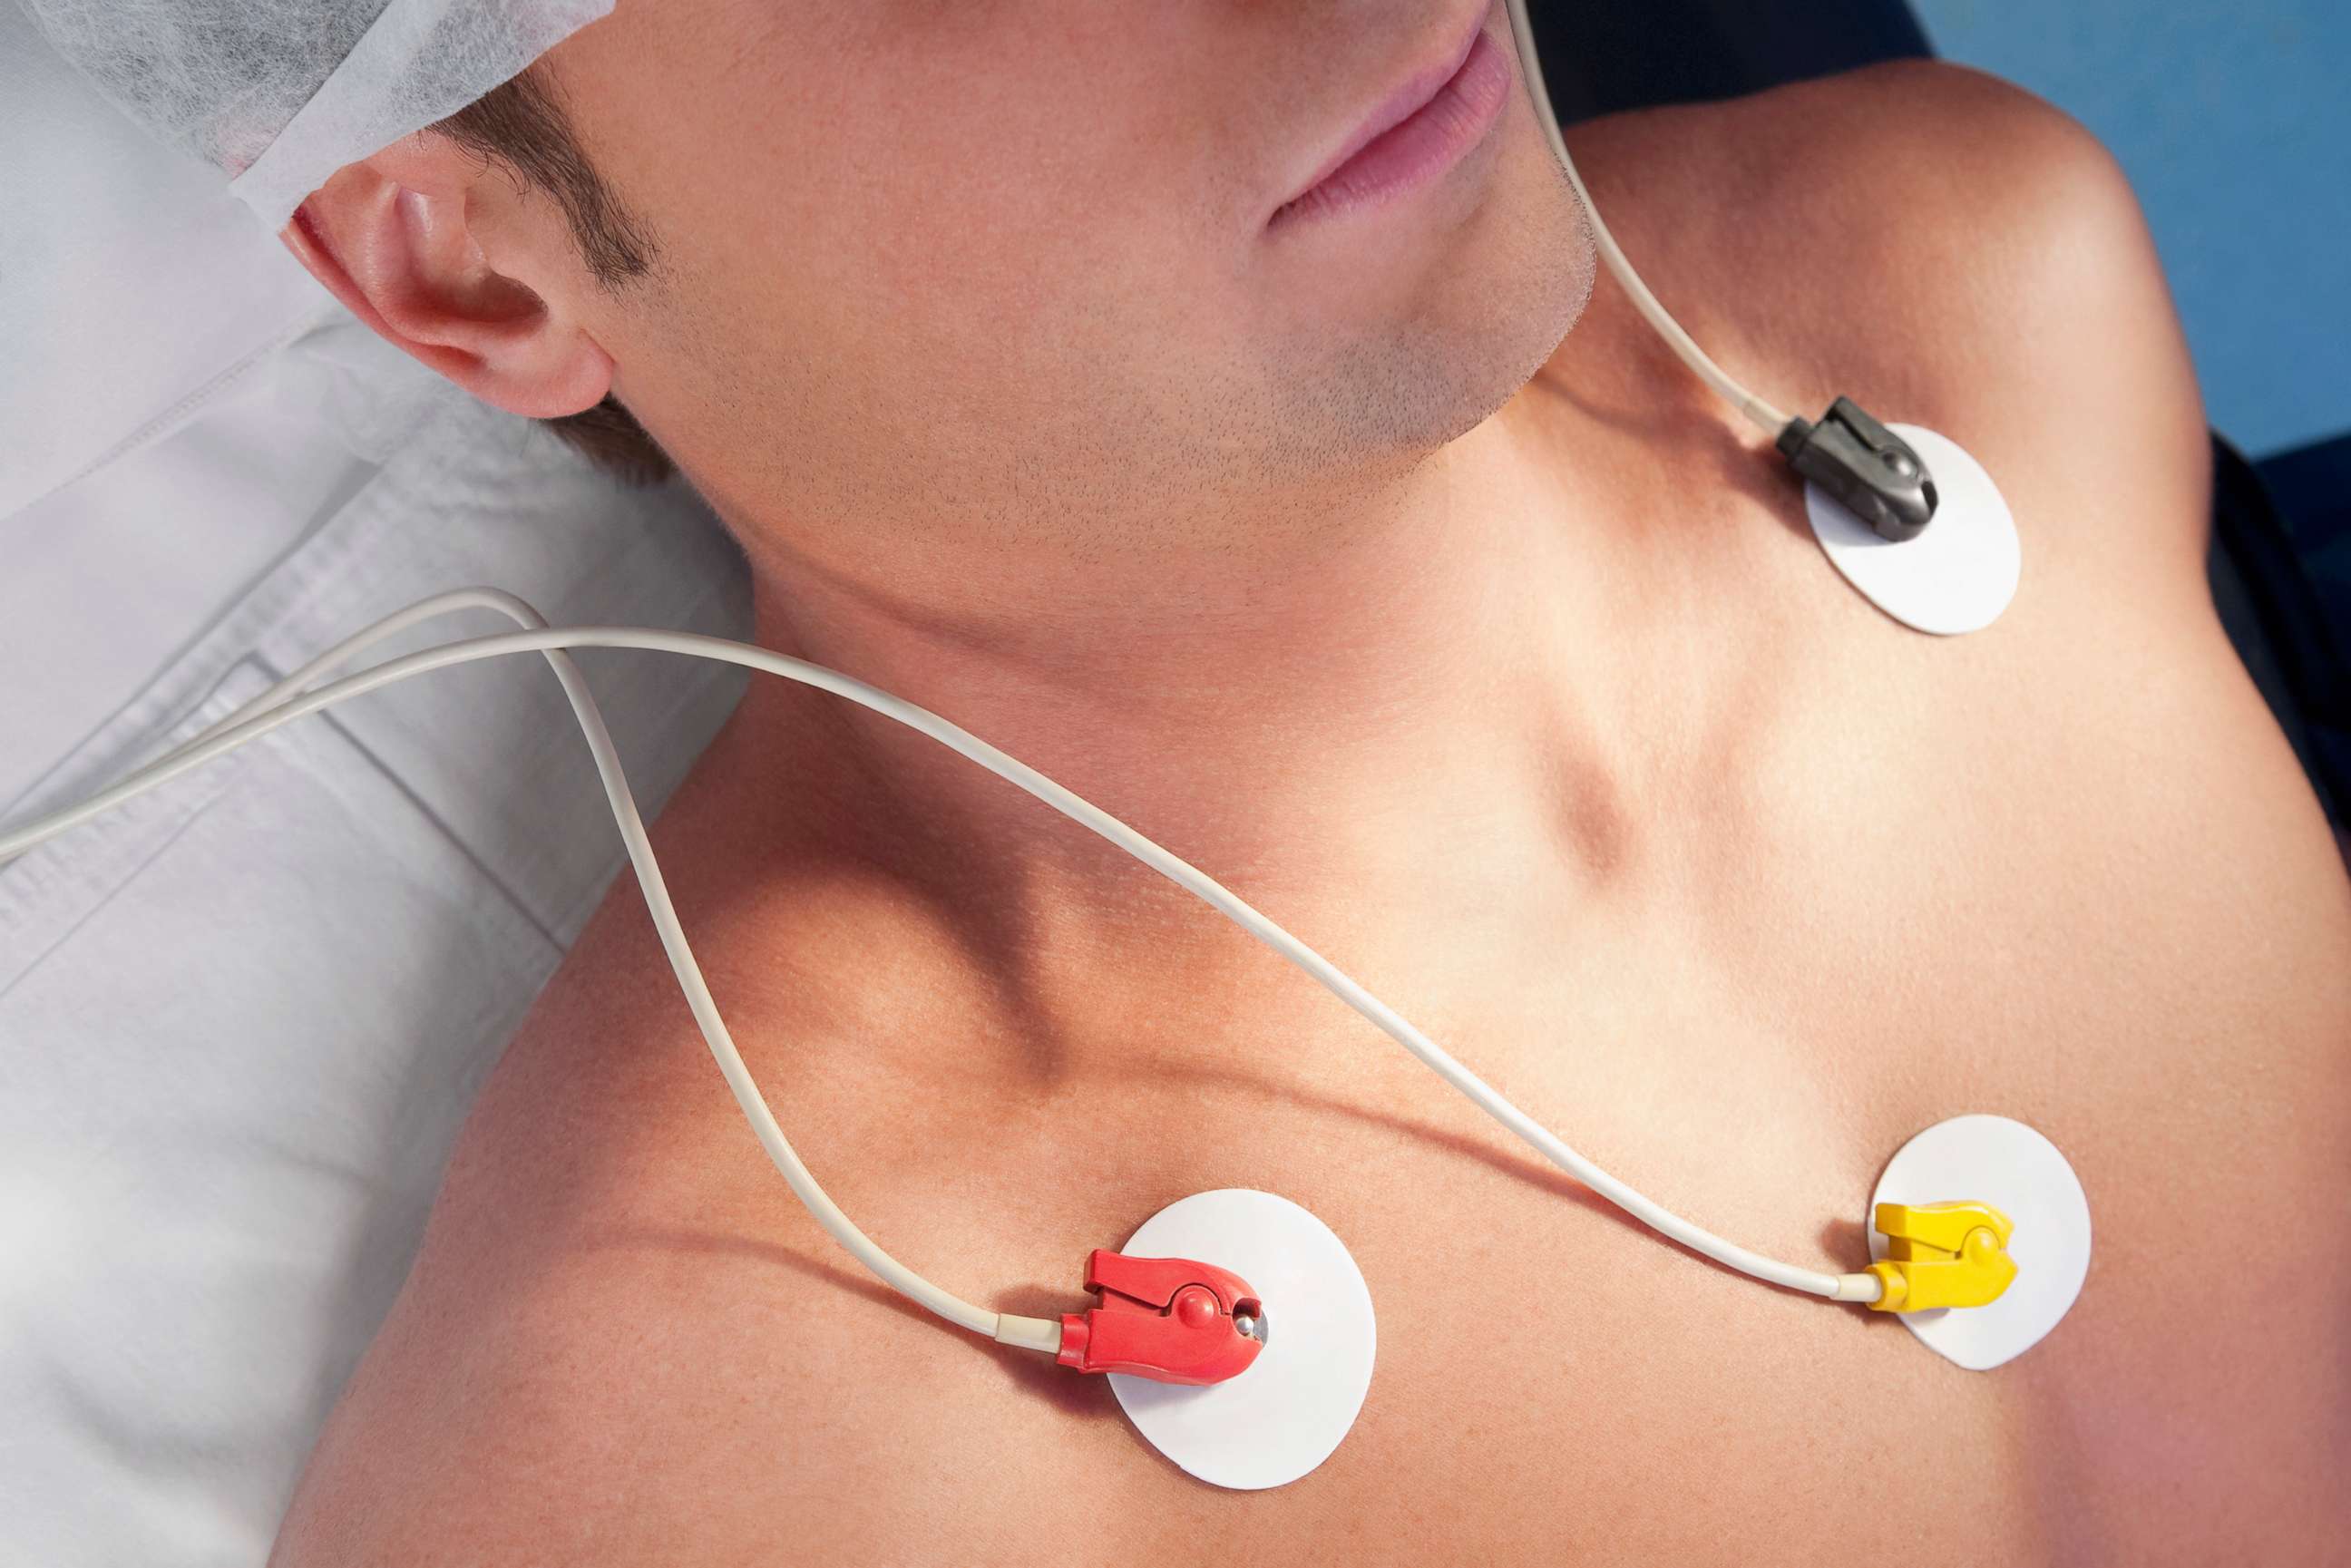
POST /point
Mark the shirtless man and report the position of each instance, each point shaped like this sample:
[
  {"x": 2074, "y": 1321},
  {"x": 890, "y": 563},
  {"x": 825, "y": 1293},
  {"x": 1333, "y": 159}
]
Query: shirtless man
[{"x": 1491, "y": 658}]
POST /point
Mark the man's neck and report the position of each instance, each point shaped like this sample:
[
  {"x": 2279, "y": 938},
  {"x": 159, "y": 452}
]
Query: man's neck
[{"x": 1370, "y": 710}]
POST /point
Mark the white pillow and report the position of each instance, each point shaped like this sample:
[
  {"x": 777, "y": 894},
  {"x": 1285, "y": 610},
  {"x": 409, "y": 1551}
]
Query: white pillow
[
  {"x": 131, "y": 281},
  {"x": 241, "y": 1021}
]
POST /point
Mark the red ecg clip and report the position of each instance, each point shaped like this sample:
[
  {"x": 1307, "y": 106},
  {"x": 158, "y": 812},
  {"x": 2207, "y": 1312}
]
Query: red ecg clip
[{"x": 1168, "y": 1319}]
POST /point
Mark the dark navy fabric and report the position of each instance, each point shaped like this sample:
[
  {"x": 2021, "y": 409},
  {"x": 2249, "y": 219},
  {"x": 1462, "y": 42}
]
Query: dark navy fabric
[{"x": 1600, "y": 58}]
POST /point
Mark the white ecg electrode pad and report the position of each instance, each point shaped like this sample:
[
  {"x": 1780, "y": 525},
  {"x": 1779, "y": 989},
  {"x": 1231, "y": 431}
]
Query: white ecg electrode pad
[
  {"x": 1290, "y": 1410},
  {"x": 2007, "y": 1164},
  {"x": 1956, "y": 577}
]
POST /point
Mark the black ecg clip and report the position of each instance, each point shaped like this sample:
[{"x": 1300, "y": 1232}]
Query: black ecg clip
[{"x": 1874, "y": 472}]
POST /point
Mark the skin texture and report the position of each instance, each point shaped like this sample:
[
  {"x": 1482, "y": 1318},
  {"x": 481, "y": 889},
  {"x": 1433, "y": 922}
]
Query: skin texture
[{"x": 1529, "y": 702}]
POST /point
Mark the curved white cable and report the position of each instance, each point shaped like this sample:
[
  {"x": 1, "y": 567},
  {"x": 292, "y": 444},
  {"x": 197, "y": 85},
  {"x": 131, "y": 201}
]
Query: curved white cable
[
  {"x": 1763, "y": 415},
  {"x": 496, "y": 599},
  {"x": 1039, "y": 1334},
  {"x": 1035, "y": 1334}
]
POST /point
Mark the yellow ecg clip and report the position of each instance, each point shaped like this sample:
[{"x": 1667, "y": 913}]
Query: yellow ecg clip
[{"x": 1942, "y": 1255}]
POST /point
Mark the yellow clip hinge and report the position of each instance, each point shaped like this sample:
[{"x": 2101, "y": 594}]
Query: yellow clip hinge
[{"x": 1942, "y": 1255}]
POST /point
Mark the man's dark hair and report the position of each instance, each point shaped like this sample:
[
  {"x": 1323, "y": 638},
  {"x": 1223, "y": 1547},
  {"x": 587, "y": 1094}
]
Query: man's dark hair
[{"x": 520, "y": 126}]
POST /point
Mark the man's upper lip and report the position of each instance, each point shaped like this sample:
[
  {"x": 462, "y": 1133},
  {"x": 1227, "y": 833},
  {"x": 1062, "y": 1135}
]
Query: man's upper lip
[{"x": 1400, "y": 104}]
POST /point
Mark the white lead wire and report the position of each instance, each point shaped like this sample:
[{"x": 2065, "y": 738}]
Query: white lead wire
[
  {"x": 280, "y": 706},
  {"x": 1771, "y": 420},
  {"x": 275, "y": 706}
]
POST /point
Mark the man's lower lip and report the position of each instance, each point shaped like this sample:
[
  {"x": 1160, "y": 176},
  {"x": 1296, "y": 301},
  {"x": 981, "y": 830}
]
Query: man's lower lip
[{"x": 1417, "y": 148}]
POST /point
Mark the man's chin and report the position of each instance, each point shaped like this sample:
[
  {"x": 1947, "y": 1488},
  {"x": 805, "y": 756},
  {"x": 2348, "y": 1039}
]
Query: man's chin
[{"x": 1506, "y": 296}]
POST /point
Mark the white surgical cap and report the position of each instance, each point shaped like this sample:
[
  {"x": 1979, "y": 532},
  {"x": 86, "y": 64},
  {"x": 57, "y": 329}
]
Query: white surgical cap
[{"x": 282, "y": 93}]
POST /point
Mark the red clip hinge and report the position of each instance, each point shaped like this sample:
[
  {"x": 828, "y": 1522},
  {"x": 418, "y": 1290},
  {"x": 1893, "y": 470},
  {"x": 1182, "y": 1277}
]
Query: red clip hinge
[{"x": 1168, "y": 1319}]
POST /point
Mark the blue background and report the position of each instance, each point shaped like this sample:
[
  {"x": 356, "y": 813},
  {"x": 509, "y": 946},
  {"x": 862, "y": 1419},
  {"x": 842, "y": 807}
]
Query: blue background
[{"x": 2233, "y": 121}]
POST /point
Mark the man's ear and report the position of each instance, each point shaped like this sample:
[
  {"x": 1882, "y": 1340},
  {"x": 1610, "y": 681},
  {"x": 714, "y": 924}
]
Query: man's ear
[{"x": 395, "y": 238}]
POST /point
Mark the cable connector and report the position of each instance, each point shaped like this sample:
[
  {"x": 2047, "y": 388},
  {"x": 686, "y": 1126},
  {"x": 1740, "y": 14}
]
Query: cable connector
[
  {"x": 1168, "y": 1319},
  {"x": 1942, "y": 1255},
  {"x": 1876, "y": 474}
]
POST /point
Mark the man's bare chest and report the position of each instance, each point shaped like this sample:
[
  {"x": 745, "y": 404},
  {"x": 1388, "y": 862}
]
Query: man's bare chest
[{"x": 1746, "y": 1038}]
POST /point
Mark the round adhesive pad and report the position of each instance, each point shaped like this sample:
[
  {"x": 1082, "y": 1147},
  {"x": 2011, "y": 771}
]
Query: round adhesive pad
[
  {"x": 1288, "y": 1411},
  {"x": 1956, "y": 577},
  {"x": 1990, "y": 1160}
]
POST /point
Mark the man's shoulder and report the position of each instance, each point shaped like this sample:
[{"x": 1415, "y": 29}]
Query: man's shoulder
[
  {"x": 1921, "y": 176},
  {"x": 617, "y": 1299},
  {"x": 1944, "y": 246}
]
